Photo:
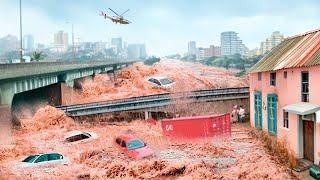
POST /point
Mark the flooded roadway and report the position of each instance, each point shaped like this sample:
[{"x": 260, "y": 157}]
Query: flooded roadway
[{"x": 238, "y": 157}]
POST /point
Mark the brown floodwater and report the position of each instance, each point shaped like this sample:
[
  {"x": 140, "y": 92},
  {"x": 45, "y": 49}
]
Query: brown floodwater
[{"x": 237, "y": 157}]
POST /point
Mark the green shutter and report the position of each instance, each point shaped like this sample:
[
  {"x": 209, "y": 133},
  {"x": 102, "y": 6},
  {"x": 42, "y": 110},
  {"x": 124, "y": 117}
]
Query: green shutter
[
  {"x": 258, "y": 110},
  {"x": 272, "y": 113}
]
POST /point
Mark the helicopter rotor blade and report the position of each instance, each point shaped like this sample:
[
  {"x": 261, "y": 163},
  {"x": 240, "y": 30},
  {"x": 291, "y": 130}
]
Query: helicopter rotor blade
[
  {"x": 114, "y": 12},
  {"x": 125, "y": 12}
]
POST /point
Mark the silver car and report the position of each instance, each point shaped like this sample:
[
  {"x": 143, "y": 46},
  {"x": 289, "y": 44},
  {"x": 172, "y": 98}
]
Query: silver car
[
  {"x": 44, "y": 159},
  {"x": 161, "y": 81}
]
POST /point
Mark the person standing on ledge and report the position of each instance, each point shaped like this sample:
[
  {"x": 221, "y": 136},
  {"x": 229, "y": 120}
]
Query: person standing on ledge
[
  {"x": 234, "y": 114},
  {"x": 241, "y": 114}
]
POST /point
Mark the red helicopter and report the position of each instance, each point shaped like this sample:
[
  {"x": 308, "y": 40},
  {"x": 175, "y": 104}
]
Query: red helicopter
[{"x": 116, "y": 19}]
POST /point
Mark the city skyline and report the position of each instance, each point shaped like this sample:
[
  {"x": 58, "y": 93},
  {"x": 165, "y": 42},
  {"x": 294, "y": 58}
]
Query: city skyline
[{"x": 158, "y": 23}]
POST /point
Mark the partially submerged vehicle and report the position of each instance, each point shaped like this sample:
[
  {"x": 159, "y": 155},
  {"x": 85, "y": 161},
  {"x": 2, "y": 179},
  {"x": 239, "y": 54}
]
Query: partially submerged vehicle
[
  {"x": 133, "y": 146},
  {"x": 161, "y": 81},
  {"x": 80, "y": 136},
  {"x": 44, "y": 159}
]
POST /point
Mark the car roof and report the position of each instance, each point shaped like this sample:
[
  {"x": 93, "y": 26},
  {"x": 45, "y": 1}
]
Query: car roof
[
  {"x": 158, "y": 77},
  {"x": 74, "y": 133},
  {"x": 39, "y": 154},
  {"x": 127, "y": 137}
]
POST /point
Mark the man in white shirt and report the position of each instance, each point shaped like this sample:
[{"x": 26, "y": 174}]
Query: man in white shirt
[
  {"x": 234, "y": 114},
  {"x": 241, "y": 114}
]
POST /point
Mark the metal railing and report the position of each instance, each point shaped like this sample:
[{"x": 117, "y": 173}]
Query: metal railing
[{"x": 153, "y": 101}]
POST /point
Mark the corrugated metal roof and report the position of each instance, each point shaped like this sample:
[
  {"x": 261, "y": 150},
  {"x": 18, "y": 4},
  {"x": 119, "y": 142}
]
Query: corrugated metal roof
[{"x": 298, "y": 51}]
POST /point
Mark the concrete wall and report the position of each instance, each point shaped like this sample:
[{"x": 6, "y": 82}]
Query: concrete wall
[{"x": 288, "y": 92}]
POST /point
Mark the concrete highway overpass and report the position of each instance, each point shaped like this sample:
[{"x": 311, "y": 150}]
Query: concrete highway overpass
[{"x": 28, "y": 81}]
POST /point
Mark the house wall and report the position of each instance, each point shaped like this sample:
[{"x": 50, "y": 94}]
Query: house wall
[{"x": 288, "y": 92}]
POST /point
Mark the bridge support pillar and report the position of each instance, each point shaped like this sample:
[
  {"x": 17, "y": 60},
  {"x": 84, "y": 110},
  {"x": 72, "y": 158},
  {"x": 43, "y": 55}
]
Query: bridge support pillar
[
  {"x": 70, "y": 83},
  {"x": 6, "y": 98},
  {"x": 147, "y": 115},
  {"x": 6, "y": 94},
  {"x": 66, "y": 94}
]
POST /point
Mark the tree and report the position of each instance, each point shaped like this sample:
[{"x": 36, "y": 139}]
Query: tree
[{"x": 37, "y": 56}]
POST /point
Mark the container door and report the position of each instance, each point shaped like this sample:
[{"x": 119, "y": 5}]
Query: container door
[
  {"x": 272, "y": 113},
  {"x": 258, "y": 110}
]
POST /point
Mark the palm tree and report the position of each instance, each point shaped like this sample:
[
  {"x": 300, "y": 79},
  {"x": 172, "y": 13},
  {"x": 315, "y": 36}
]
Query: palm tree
[{"x": 37, "y": 56}]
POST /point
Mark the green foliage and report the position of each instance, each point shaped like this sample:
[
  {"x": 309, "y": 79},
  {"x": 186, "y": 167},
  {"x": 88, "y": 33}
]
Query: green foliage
[
  {"x": 37, "y": 56},
  {"x": 191, "y": 58},
  {"x": 151, "y": 60},
  {"x": 241, "y": 73},
  {"x": 174, "y": 56},
  {"x": 234, "y": 61}
]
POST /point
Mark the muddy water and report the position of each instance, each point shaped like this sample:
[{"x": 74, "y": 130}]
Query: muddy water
[
  {"x": 131, "y": 81},
  {"x": 237, "y": 157}
]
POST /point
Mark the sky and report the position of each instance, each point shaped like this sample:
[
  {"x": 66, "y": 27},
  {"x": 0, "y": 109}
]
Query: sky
[{"x": 165, "y": 26}]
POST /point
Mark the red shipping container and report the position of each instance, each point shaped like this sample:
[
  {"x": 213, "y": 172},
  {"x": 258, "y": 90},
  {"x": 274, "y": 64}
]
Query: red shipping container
[{"x": 197, "y": 126}]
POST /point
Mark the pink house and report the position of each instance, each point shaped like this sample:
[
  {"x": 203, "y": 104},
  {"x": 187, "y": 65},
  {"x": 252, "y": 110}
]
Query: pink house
[{"x": 285, "y": 94}]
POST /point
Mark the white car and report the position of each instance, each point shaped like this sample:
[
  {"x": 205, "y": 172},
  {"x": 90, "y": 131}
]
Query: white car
[
  {"x": 75, "y": 136},
  {"x": 44, "y": 159},
  {"x": 161, "y": 81}
]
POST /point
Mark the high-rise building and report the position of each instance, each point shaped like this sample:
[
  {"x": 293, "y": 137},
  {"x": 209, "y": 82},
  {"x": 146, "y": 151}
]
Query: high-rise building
[
  {"x": 117, "y": 43},
  {"x": 9, "y": 43},
  {"x": 28, "y": 42},
  {"x": 203, "y": 53},
  {"x": 271, "y": 42},
  {"x": 192, "y": 48},
  {"x": 254, "y": 52},
  {"x": 99, "y": 46},
  {"x": 61, "y": 40},
  {"x": 136, "y": 51},
  {"x": 217, "y": 51},
  {"x": 231, "y": 44},
  {"x": 244, "y": 50},
  {"x": 212, "y": 51}
]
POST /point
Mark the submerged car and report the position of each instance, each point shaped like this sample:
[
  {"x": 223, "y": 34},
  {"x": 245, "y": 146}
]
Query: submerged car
[
  {"x": 133, "y": 146},
  {"x": 44, "y": 159},
  {"x": 75, "y": 136},
  {"x": 161, "y": 81}
]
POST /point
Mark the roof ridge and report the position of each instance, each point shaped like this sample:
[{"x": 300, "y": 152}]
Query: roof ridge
[{"x": 303, "y": 34}]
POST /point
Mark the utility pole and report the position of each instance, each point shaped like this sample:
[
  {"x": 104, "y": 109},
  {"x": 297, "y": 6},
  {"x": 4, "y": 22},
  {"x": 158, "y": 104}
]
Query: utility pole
[
  {"x": 21, "y": 58},
  {"x": 72, "y": 33},
  {"x": 73, "y": 51}
]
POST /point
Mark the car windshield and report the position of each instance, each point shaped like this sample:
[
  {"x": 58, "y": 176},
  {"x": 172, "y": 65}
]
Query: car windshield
[
  {"x": 166, "y": 81},
  {"x": 30, "y": 159},
  {"x": 135, "y": 144}
]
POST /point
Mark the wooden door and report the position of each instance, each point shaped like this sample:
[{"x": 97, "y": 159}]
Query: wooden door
[{"x": 308, "y": 140}]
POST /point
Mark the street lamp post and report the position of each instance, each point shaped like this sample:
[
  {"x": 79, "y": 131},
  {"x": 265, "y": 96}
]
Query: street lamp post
[{"x": 21, "y": 58}]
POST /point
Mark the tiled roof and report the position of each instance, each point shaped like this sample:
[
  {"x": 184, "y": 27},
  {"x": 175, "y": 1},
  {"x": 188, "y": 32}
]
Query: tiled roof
[{"x": 298, "y": 51}]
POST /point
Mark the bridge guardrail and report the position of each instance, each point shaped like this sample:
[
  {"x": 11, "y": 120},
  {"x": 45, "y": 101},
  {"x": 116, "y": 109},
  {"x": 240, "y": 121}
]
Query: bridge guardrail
[
  {"x": 151, "y": 101},
  {"x": 193, "y": 94}
]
